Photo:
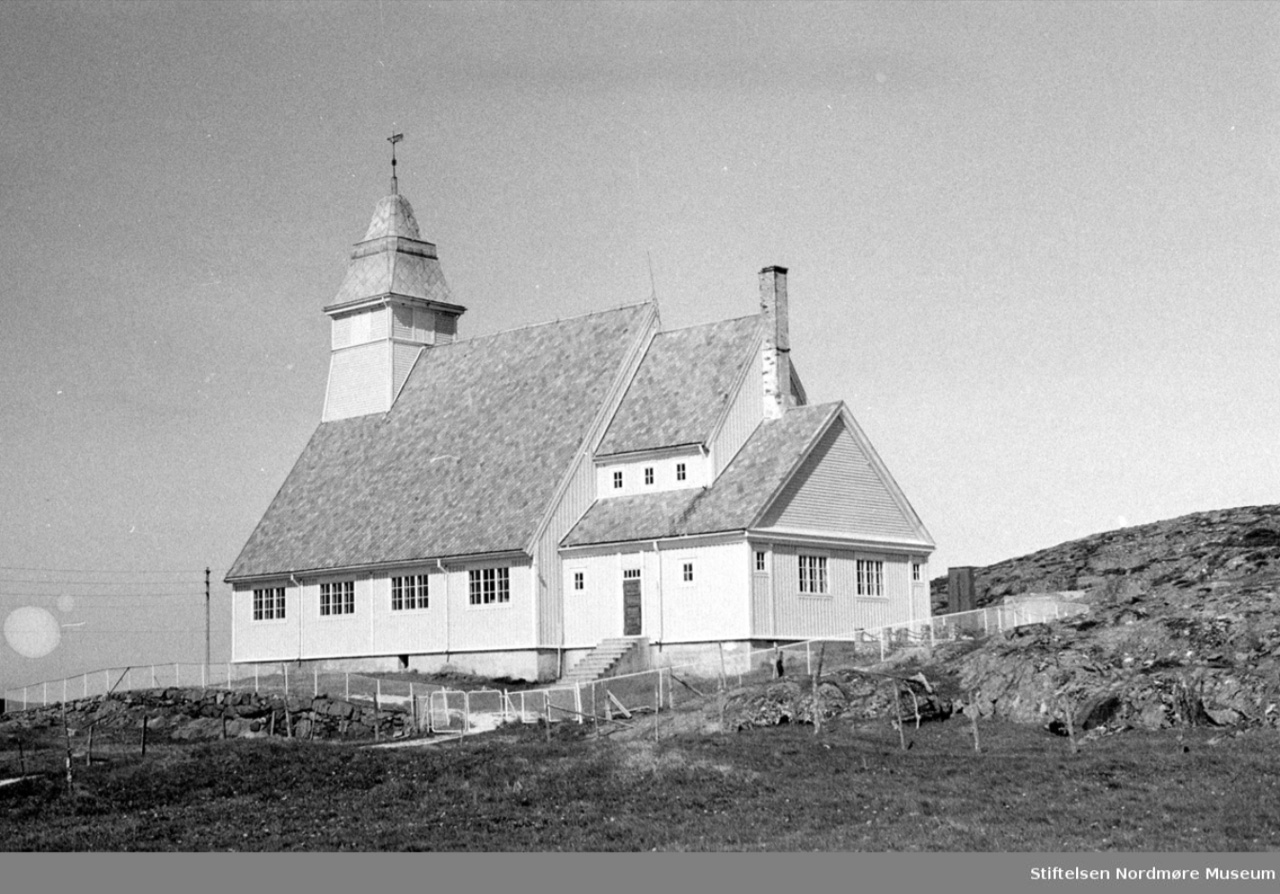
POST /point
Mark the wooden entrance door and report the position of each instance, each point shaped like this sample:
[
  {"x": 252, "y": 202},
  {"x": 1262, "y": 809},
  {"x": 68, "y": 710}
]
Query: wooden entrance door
[{"x": 631, "y": 602}]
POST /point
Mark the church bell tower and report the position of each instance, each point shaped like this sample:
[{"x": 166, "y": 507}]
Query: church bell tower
[{"x": 393, "y": 304}]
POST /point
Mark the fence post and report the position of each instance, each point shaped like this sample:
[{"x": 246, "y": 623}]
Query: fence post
[
  {"x": 466, "y": 713},
  {"x": 44, "y": 693},
  {"x": 808, "y": 658},
  {"x": 64, "y": 690},
  {"x": 315, "y": 680},
  {"x": 346, "y": 686},
  {"x": 255, "y": 677},
  {"x": 285, "y": 665},
  {"x": 153, "y": 676},
  {"x": 577, "y": 698},
  {"x": 85, "y": 680},
  {"x": 228, "y": 674},
  {"x": 881, "y": 637},
  {"x": 204, "y": 676},
  {"x": 24, "y": 698}
]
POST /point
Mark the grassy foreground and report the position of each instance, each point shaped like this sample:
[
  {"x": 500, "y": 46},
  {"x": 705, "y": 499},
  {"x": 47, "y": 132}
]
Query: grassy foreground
[{"x": 780, "y": 789}]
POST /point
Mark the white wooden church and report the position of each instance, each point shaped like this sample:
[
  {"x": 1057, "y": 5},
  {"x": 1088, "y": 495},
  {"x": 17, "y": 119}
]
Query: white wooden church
[{"x": 503, "y": 504}]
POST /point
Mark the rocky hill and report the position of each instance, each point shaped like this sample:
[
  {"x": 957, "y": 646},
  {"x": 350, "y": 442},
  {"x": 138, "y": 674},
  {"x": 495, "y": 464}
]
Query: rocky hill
[{"x": 1183, "y": 628}]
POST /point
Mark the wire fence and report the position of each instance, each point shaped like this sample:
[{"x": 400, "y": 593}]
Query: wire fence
[
  {"x": 624, "y": 697},
  {"x": 276, "y": 678},
  {"x": 439, "y": 710}
]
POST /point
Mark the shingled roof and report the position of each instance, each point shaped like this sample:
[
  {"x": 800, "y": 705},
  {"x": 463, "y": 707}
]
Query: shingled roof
[
  {"x": 465, "y": 462},
  {"x": 732, "y": 503},
  {"x": 682, "y": 387}
]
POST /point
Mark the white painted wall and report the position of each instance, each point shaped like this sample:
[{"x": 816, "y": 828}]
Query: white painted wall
[
  {"x": 840, "y": 611},
  {"x": 716, "y": 605},
  {"x": 449, "y": 623},
  {"x": 697, "y": 474}
]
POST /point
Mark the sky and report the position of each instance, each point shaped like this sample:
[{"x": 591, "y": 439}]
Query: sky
[{"x": 1032, "y": 245}]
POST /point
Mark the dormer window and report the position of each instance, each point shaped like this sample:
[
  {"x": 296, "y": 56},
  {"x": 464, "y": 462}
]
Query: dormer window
[
  {"x": 648, "y": 475},
  {"x": 680, "y": 472},
  {"x": 617, "y": 480}
]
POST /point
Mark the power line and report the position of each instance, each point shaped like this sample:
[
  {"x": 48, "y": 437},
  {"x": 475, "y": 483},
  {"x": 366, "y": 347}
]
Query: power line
[{"x": 99, "y": 570}]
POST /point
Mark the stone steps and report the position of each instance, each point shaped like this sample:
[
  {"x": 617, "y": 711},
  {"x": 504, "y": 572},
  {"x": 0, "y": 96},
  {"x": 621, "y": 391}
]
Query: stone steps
[{"x": 601, "y": 660}]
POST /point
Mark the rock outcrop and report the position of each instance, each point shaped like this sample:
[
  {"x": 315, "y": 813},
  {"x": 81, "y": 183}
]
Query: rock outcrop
[
  {"x": 1183, "y": 628},
  {"x": 186, "y": 714}
]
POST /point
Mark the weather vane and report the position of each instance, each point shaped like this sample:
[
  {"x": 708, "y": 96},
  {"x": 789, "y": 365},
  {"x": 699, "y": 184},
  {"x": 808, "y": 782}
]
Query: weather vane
[{"x": 393, "y": 139}]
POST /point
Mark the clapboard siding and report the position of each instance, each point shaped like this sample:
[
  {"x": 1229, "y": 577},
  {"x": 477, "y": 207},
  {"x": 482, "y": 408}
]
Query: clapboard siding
[
  {"x": 837, "y": 489},
  {"x": 359, "y": 382}
]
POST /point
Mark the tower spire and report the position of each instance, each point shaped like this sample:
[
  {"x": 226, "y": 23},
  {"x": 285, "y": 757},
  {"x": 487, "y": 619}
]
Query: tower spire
[{"x": 393, "y": 139}]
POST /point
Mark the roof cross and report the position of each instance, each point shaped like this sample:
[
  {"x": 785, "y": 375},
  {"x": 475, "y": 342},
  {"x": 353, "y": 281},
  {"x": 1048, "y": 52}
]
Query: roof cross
[{"x": 393, "y": 139}]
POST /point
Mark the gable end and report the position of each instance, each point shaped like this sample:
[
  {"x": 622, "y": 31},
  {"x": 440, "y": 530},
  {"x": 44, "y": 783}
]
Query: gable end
[{"x": 839, "y": 489}]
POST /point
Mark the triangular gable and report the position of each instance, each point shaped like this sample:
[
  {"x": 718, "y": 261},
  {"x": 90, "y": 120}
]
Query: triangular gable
[{"x": 842, "y": 487}]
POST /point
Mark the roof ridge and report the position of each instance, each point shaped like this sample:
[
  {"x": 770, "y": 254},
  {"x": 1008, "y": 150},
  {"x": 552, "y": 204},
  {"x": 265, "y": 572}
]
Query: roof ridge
[
  {"x": 708, "y": 323},
  {"x": 525, "y": 328}
]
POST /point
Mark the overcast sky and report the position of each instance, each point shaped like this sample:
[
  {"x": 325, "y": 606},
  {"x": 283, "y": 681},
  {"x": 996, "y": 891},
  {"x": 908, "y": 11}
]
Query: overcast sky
[{"x": 1032, "y": 246}]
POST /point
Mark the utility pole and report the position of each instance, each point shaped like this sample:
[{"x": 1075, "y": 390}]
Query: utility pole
[{"x": 206, "y": 616}]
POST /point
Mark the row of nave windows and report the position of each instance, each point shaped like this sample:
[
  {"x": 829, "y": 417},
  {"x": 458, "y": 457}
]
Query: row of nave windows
[{"x": 486, "y": 586}]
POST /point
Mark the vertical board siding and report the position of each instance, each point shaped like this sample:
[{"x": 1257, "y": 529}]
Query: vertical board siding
[
  {"x": 336, "y": 634},
  {"x": 504, "y": 626},
  {"x": 577, "y": 498},
  {"x": 836, "y": 489},
  {"x": 403, "y": 359},
  {"x": 275, "y": 640},
  {"x": 745, "y": 414},
  {"x": 410, "y": 632},
  {"x": 375, "y": 629},
  {"x": 717, "y": 605},
  {"x": 446, "y": 329},
  {"x": 761, "y": 604},
  {"x": 841, "y": 611},
  {"x": 923, "y": 604},
  {"x": 595, "y": 612},
  {"x": 359, "y": 381}
]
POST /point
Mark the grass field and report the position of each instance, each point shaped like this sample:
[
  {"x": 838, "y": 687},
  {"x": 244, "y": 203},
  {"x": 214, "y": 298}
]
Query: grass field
[{"x": 779, "y": 789}]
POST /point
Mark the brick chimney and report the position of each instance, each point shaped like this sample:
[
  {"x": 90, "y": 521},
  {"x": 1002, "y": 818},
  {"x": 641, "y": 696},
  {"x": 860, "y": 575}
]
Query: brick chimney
[{"x": 776, "y": 350}]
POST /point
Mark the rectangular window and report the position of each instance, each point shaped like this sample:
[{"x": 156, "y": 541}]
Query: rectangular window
[
  {"x": 870, "y": 577},
  {"x": 408, "y": 593},
  {"x": 631, "y": 574},
  {"x": 680, "y": 472},
  {"x": 579, "y": 580},
  {"x": 915, "y": 571},
  {"x": 338, "y": 598},
  {"x": 813, "y": 574},
  {"x": 760, "y": 566},
  {"x": 268, "y": 604},
  {"x": 648, "y": 474},
  {"x": 490, "y": 585},
  {"x": 617, "y": 480},
  {"x": 686, "y": 572}
]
